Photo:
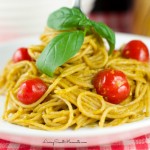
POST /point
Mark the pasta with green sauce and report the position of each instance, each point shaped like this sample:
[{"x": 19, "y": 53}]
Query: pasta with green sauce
[{"x": 70, "y": 99}]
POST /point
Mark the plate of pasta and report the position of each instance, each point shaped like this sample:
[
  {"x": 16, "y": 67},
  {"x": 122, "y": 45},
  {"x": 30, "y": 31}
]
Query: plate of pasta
[{"x": 75, "y": 86}]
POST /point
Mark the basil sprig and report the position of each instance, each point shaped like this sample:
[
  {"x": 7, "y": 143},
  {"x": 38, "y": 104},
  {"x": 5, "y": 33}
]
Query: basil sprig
[
  {"x": 67, "y": 44},
  {"x": 59, "y": 50},
  {"x": 66, "y": 18},
  {"x": 104, "y": 31}
]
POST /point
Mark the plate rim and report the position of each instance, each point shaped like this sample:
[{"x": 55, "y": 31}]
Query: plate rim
[{"x": 81, "y": 132}]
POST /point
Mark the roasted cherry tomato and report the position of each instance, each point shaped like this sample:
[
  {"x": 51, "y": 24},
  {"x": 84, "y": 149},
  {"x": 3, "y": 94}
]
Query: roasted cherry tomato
[
  {"x": 136, "y": 49},
  {"x": 112, "y": 85},
  {"x": 31, "y": 90},
  {"x": 21, "y": 54}
]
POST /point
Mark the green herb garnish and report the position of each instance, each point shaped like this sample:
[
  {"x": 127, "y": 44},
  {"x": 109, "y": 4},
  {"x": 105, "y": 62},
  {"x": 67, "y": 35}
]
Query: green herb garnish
[{"x": 67, "y": 44}]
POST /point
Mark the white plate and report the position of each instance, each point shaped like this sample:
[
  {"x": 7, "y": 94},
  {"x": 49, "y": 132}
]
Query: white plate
[{"x": 68, "y": 138}]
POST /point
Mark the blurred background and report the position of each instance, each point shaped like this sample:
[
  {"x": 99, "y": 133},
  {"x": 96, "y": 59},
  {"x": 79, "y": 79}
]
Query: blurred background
[
  {"x": 117, "y": 14},
  {"x": 20, "y": 18},
  {"x": 130, "y": 16}
]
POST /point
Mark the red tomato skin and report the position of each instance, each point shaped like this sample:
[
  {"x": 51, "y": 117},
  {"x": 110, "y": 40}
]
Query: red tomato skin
[
  {"x": 136, "y": 49},
  {"x": 31, "y": 90},
  {"x": 112, "y": 85},
  {"x": 21, "y": 54}
]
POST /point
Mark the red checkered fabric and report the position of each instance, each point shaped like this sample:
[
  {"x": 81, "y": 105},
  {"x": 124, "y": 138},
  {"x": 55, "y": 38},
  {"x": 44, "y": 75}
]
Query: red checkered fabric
[{"x": 139, "y": 143}]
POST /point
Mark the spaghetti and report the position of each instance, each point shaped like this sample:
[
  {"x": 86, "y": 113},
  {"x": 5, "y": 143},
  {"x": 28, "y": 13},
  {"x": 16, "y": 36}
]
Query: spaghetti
[{"x": 71, "y": 100}]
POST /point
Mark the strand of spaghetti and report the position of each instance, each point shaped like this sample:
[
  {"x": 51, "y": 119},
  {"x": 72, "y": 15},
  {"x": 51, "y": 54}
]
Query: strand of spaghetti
[
  {"x": 5, "y": 113},
  {"x": 139, "y": 97},
  {"x": 65, "y": 83},
  {"x": 89, "y": 122},
  {"x": 123, "y": 61},
  {"x": 138, "y": 89},
  {"x": 94, "y": 44},
  {"x": 116, "y": 122},
  {"x": 136, "y": 118},
  {"x": 35, "y": 50},
  {"x": 103, "y": 117},
  {"x": 128, "y": 112},
  {"x": 72, "y": 70},
  {"x": 90, "y": 114},
  {"x": 91, "y": 62},
  {"x": 43, "y": 106},
  {"x": 123, "y": 111},
  {"x": 48, "y": 35},
  {"x": 37, "y": 117},
  {"x": 62, "y": 127},
  {"x": 80, "y": 120},
  {"x": 66, "y": 89},
  {"x": 81, "y": 54},
  {"x": 123, "y": 115},
  {"x": 147, "y": 102},
  {"x": 70, "y": 97},
  {"x": 78, "y": 81},
  {"x": 91, "y": 102},
  {"x": 18, "y": 113},
  {"x": 17, "y": 66}
]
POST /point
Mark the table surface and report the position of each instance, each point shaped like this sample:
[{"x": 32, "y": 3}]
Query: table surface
[{"x": 139, "y": 143}]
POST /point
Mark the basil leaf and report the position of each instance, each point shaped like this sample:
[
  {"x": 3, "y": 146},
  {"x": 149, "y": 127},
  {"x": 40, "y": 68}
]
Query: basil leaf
[
  {"x": 66, "y": 18},
  {"x": 105, "y": 32},
  {"x": 59, "y": 50}
]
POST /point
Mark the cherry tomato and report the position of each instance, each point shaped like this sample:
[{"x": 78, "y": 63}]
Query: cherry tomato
[
  {"x": 31, "y": 90},
  {"x": 112, "y": 85},
  {"x": 136, "y": 49},
  {"x": 21, "y": 54}
]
